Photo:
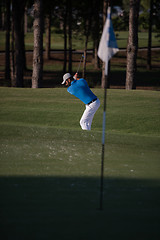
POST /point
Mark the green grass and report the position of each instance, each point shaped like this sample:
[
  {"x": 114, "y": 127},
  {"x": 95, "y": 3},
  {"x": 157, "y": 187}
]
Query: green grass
[
  {"x": 78, "y": 41},
  {"x": 50, "y": 168}
]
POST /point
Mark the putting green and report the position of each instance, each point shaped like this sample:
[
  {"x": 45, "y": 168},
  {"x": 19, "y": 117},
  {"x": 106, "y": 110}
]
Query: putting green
[{"x": 50, "y": 168}]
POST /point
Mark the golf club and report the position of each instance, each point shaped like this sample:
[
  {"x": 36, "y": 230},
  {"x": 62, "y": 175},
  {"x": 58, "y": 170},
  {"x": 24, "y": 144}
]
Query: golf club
[{"x": 80, "y": 63}]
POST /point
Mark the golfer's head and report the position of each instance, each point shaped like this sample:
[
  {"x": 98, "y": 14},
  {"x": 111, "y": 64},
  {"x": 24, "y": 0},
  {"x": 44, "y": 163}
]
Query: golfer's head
[{"x": 67, "y": 79}]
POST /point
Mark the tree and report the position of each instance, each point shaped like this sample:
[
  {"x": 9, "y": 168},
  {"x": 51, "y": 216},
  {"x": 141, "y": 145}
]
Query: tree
[
  {"x": 103, "y": 79},
  {"x": 48, "y": 10},
  {"x": 18, "y": 7},
  {"x": 25, "y": 21},
  {"x": 48, "y": 35},
  {"x": 132, "y": 45},
  {"x": 13, "y": 82},
  {"x": 146, "y": 20},
  {"x": 37, "y": 73},
  {"x": 150, "y": 36},
  {"x": 87, "y": 26},
  {"x": 65, "y": 35},
  {"x": 95, "y": 33},
  {"x": 2, "y": 15},
  {"x": 7, "y": 58},
  {"x": 70, "y": 34}
]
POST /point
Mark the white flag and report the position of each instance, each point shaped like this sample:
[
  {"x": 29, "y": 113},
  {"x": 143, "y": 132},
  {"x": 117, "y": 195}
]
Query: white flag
[{"x": 108, "y": 45}]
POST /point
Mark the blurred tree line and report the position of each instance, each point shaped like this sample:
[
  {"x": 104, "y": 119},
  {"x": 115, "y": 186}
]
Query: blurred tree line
[{"x": 68, "y": 16}]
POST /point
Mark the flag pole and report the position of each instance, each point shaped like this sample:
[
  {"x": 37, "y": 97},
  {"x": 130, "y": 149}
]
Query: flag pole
[
  {"x": 105, "y": 6},
  {"x": 103, "y": 143},
  {"x": 107, "y": 48}
]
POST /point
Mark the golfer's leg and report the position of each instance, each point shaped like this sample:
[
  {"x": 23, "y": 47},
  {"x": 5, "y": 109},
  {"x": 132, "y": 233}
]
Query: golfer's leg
[
  {"x": 94, "y": 107},
  {"x": 85, "y": 119}
]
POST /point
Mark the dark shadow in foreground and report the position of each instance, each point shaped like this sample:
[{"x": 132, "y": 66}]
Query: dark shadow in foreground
[{"x": 67, "y": 208}]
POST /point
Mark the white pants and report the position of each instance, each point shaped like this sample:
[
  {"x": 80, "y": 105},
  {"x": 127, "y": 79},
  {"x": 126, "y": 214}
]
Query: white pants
[{"x": 87, "y": 117}]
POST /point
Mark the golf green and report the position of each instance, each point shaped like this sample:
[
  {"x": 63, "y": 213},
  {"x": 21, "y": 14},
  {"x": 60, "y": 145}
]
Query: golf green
[{"x": 50, "y": 168}]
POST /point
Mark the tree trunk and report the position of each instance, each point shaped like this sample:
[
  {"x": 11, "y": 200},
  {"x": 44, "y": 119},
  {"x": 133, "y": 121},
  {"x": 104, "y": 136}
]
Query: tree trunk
[
  {"x": 96, "y": 59},
  {"x": 13, "y": 78},
  {"x": 132, "y": 46},
  {"x": 103, "y": 79},
  {"x": 70, "y": 36},
  {"x": 23, "y": 46},
  {"x": 3, "y": 20},
  {"x": 149, "y": 67},
  {"x": 88, "y": 25},
  {"x": 18, "y": 19},
  {"x": 96, "y": 34},
  {"x": 25, "y": 21},
  {"x": 85, "y": 48},
  {"x": 48, "y": 36},
  {"x": 7, "y": 52},
  {"x": 65, "y": 38},
  {"x": 37, "y": 73}
]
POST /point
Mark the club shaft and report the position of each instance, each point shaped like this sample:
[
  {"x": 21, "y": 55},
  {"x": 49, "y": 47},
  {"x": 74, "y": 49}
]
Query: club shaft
[{"x": 79, "y": 63}]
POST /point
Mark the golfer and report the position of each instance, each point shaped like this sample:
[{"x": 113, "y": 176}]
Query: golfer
[{"x": 79, "y": 88}]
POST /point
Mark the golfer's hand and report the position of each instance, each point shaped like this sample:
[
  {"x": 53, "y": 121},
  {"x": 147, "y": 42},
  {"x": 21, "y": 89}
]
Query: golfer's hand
[{"x": 75, "y": 76}]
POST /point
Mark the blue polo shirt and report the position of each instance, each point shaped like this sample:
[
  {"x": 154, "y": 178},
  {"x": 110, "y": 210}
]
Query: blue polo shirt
[{"x": 79, "y": 88}]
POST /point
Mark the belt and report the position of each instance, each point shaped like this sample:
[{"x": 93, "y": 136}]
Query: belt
[{"x": 92, "y": 101}]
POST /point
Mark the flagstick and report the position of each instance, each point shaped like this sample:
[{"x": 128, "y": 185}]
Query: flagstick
[
  {"x": 103, "y": 143},
  {"x": 107, "y": 48}
]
